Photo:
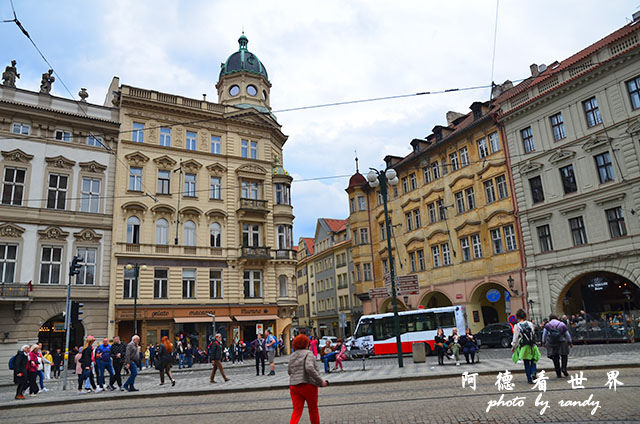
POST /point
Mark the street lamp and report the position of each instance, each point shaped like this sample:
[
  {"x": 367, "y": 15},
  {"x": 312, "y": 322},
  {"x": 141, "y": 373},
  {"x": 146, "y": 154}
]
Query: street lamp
[
  {"x": 531, "y": 302},
  {"x": 213, "y": 324},
  {"x": 377, "y": 178},
  {"x": 137, "y": 268}
]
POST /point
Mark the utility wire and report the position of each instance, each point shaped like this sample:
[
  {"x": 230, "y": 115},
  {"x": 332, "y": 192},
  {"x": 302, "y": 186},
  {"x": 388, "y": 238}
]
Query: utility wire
[{"x": 495, "y": 38}]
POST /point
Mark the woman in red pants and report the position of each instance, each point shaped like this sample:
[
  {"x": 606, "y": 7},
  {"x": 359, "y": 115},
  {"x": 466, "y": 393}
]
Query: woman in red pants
[{"x": 304, "y": 380}]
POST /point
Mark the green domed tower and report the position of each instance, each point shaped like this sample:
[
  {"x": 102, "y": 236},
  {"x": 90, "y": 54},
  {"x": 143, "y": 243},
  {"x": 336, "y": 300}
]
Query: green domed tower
[{"x": 243, "y": 80}]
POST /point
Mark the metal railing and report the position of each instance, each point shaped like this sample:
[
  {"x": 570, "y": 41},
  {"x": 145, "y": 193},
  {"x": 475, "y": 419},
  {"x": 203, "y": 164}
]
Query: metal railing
[
  {"x": 14, "y": 290},
  {"x": 605, "y": 331},
  {"x": 253, "y": 204}
]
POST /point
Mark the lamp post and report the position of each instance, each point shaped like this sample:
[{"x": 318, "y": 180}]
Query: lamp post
[
  {"x": 213, "y": 324},
  {"x": 137, "y": 267},
  {"x": 531, "y": 302},
  {"x": 382, "y": 179}
]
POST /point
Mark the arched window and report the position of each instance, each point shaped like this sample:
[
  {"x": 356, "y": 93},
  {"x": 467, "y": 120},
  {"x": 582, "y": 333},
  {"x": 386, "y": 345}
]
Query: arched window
[
  {"x": 189, "y": 233},
  {"x": 162, "y": 231},
  {"x": 283, "y": 286},
  {"x": 216, "y": 235},
  {"x": 133, "y": 230}
]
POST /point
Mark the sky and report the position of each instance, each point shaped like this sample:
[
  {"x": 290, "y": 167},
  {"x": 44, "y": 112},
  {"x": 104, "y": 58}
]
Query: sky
[{"x": 315, "y": 53}]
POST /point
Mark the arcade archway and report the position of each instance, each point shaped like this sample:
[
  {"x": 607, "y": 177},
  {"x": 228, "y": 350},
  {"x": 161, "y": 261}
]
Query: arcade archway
[
  {"x": 52, "y": 334},
  {"x": 487, "y": 306},
  {"x": 387, "y": 306},
  {"x": 435, "y": 299},
  {"x": 599, "y": 293}
]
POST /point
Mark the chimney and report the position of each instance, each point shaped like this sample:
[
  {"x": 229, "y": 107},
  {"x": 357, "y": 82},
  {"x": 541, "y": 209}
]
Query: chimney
[
  {"x": 476, "y": 108},
  {"x": 507, "y": 85},
  {"x": 452, "y": 116},
  {"x": 534, "y": 70},
  {"x": 636, "y": 17}
]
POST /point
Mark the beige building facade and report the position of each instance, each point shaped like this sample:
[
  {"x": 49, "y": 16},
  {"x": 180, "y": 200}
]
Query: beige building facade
[{"x": 203, "y": 208}]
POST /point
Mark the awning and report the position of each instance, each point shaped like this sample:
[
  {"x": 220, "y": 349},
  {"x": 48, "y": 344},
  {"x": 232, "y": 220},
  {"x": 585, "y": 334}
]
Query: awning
[
  {"x": 256, "y": 317},
  {"x": 200, "y": 319}
]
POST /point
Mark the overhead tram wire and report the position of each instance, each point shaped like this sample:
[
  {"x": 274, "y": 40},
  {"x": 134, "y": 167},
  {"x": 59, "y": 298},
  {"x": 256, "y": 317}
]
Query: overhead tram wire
[{"x": 495, "y": 38}]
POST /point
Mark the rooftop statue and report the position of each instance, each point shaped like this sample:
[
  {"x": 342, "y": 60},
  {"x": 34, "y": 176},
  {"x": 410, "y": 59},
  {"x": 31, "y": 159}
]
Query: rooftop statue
[
  {"x": 10, "y": 74},
  {"x": 47, "y": 81}
]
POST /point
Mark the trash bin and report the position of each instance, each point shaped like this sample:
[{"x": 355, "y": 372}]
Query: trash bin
[{"x": 419, "y": 353}]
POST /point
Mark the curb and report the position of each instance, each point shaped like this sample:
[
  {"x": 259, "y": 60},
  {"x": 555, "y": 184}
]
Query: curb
[{"x": 204, "y": 392}]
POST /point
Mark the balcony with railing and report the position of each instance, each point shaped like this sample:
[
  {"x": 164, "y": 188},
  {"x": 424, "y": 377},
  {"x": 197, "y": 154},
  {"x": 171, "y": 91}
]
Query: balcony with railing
[
  {"x": 168, "y": 249},
  {"x": 285, "y": 254},
  {"x": 256, "y": 253},
  {"x": 255, "y": 206},
  {"x": 14, "y": 291}
]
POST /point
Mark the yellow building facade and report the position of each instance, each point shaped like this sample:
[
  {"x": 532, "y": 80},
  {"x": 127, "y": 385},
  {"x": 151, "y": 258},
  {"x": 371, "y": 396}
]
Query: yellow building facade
[
  {"x": 202, "y": 213},
  {"x": 453, "y": 224}
]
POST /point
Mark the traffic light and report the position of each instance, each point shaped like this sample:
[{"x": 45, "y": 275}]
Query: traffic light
[
  {"x": 76, "y": 311},
  {"x": 76, "y": 263}
]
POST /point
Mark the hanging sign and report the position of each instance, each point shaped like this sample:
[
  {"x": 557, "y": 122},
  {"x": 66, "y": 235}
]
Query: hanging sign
[{"x": 493, "y": 295}]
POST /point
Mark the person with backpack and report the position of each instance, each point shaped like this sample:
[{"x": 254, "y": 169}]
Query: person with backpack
[
  {"x": 18, "y": 364},
  {"x": 270, "y": 347},
  {"x": 557, "y": 340},
  {"x": 216, "y": 351},
  {"x": 304, "y": 380},
  {"x": 524, "y": 345}
]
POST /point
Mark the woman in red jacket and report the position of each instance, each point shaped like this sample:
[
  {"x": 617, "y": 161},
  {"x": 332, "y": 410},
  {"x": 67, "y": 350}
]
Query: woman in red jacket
[{"x": 32, "y": 370}]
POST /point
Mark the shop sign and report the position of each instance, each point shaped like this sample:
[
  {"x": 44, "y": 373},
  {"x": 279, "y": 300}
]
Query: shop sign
[
  {"x": 201, "y": 313},
  {"x": 459, "y": 296},
  {"x": 493, "y": 295},
  {"x": 253, "y": 311},
  {"x": 162, "y": 314},
  {"x": 259, "y": 328},
  {"x": 598, "y": 284}
]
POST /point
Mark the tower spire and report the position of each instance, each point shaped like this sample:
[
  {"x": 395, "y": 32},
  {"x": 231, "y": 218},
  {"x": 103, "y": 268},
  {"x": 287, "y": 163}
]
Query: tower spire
[{"x": 356, "y": 153}]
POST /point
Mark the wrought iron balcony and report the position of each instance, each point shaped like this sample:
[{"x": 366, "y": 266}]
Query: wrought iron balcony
[
  {"x": 14, "y": 290},
  {"x": 249, "y": 252}
]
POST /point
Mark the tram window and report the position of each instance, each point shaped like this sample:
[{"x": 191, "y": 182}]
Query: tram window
[
  {"x": 446, "y": 319},
  {"x": 379, "y": 330},
  {"x": 409, "y": 322},
  {"x": 366, "y": 328}
]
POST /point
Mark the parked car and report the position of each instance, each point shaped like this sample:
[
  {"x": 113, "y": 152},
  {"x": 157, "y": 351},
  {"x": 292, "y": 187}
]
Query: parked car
[
  {"x": 499, "y": 334},
  {"x": 323, "y": 341}
]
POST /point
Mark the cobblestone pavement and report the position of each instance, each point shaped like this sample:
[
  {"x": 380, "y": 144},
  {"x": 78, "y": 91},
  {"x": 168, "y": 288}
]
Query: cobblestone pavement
[
  {"x": 426, "y": 401},
  {"x": 195, "y": 380}
]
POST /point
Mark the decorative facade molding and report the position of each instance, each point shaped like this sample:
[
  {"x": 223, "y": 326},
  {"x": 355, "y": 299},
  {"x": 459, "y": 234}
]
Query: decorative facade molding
[
  {"x": 461, "y": 177},
  {"x": 634, "y": 128},
  {"x": 87, "y": 236},
  {"x": 529, "y": 167},
  {"x": 53, "y": 233},
  {"x": 165, "y": 162},
  {"x": 252, "y": 171},
  {"x": 191, "y": 166},
  {"x": 93, "y": 167},
  {"x": 490, "y": 165},
  {"x": 60, "y": 162},
  {"x": 543, "y": 217},
  {"x": 216, "y": 169},
  {"x": 190, "y": 211},
  {"x": 11, "y": 231},
  {"x": 595, "y": 142},
  {"x": 213, "y": 213},
  {"x": 561, "y": 155},
  {"x": 436, "y": 232},
  {"x": 611, "y": 198},
  {"x": 467, "y": 223},
  {"x": 16, "y": 155},
  {"x": 573, "y": 208},
  {"x": 163, "y": 208},
  {"x": 414, "y": 239},
  {"x": 134, "y": 206},
  {"x": 433, "y": 190},
  {"x": 496, "y": 213},
  {"x": 411, "y": 200},
  {"x": 136, "y": 158}
]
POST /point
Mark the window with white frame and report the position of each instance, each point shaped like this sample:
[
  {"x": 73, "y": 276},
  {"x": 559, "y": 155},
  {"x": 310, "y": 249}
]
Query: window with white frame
[
  {"x": 413, "y": 181},
  {"x": 90, "y": 195},
  {"x": 249, "y": 149},
  {"x": 57, "y": 191},
  {"x": 216, "y": 146},
  {"x": 50, "y": 264},
  {"x": 442, "y": 210},
  {"x": 592, "y": 112},
  {"x": 405, "y": 184},
  {"x": 435, "y": 253},
  {"x": 215, "y": 284},
  {"x": 283, "y": 284},
  {"x": 95, "y": 141},
  {"x": 135, "y": 178},
  {"x": 164, "y": 181},
  {"x": 13, "y": 186},
  {"x": 366, "y": 268},
  {"x": 494, "y": 142},
  {"x": 189, "y": 233},
  {"x": 489, "y": 191},
  {"x": 215, "y": 188},
  {"x": 633, "y": 86},
  {"x": 190, "y": 185},
  {"x": 8, "y": 260},
  {"x": 162, "y": 231},
  {"x": 496, "y": 241},
  {"x": 62, "y": 135},
  {"x": 527, "y": 140},
  {"x": 249, "y": 190},
  {"x": 420, "y": 255},
  {"x": 459, "y": 201},
  {"x": 464, "y": 156},
  {"x": 501, "y": 183},
  {"x": 431, "y": 208},
  {"x": 364, "y": 235},
  {"x": 446, "y": 254},
  {"x": 362, "y": 205},
  {"x": 416, "y": 218},
  {"x": 137, "y": 133},
  {"x": 251, "y": 235},
  {"x": 20, "y": 128},
  {"x": 483, "y": 151},
  {"x": 409, "y": 217},
  {"x": 604, "y": 167},
  {"x": 466, "y": 248},
  {"x": 165, "y": 136},
  {"x": 453, "y": 161},
  {"x": 471, "y": 198},
  {"x": 426, "y": 173},
  {"x": 189, "y": 283},
  {"x": 509, "y": 237},
  {"x": 215, "y": 232},
  {"x": 412, "y": 262},
  {"x": 160, "y": 283},
  {"x": 477, "y": 246},
  {"x": 252, "y": 284},
  {"x": 284, "y": 235},
  {"x": 557, "y": 126},
  {"x": 87, "y": 274},
  {"x": 133, "y": 230},
  {"x": 283, "y": 194},
  {"x": 191, "y": 140},
  {"x": 129, "y": 287},
  {"x": 435, "y": 170}
]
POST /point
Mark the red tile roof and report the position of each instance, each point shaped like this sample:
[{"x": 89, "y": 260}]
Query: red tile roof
[
  {"x": 336, "y": 225},
  {"x": 310, "y": 243}
]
